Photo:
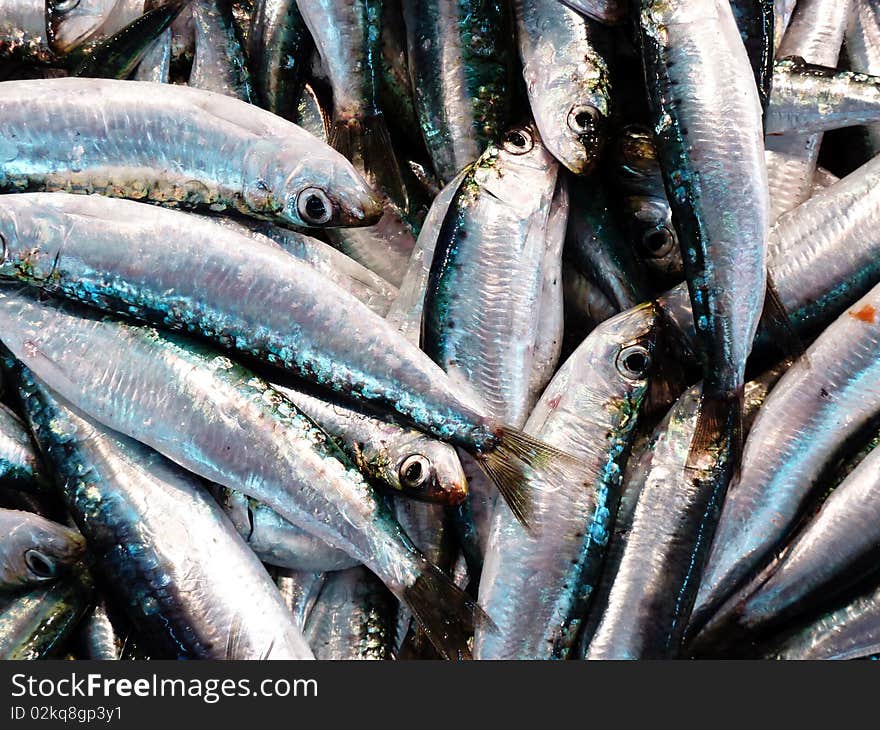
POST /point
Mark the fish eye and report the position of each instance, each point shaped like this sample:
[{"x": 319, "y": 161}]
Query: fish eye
[
  {"x": 518, "y": 141},
  {"x": 414, "y": 471},
  {"x": 314, "y": 206},
  {"x": 64, "y": 6},
  {"x": 41, "y": 565},
  {"x": 583, "y": 119},
  {"x": 633, "y": 362},
  {"x": 658, "y": 241}
]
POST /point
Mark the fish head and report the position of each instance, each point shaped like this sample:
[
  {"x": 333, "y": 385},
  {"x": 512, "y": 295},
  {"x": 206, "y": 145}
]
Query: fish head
[
  {"x": 70, "y": 23},
  {"x": 517, "y": 169},
  {"x": 319, "y": 189},
  {"x": 35, "y": 550},
  {"x": 625, "y": 347},
  {"x": 427, "y": 470},
  {"x": 634, "y": 164},
  {"x": 649, "y": 223}
]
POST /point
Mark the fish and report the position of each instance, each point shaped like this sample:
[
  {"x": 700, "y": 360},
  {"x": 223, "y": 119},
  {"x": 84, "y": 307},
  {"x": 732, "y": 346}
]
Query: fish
[
  {"x": 481, "y": 310},
  {"x": 276, "y": 172},
  {"x": 21, "y": 467},
  {"x": 37, "y": 623},
  {"x": 167, "y": 547},
  {"x": 279, "y": 48},
  {"x": 606, "y": 11},
  {"x": 275, "y": 540},
  {"x": 219, "y": 61},
  {"x": 862, "y": 38},
  {"x": 461, "y": 69},
  {"x": 352, "y": 617},
  {"x": 809, "y": 98},
  {"x": 567, "y": 80},
  {"x": 711, "y": 153},
  {"x": 820, "y": 401},
  {"x": 815, "y": 34},
  {"x": 537, "y": 590},
  {"x": 289, "y": 464},
  {"x": 408, "y": 383},
  {"x": 35, "y": 551}
]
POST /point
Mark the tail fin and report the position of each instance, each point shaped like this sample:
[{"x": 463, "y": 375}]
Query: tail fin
[
  {"x": 508, "y": 465},
  {"x": 117, "y": 56},
  {"x": 367, "y": 144},
  {"x": 719, "y": 423},
  {"x": 778, "y": 322},
  {"x": 445, "y": 613}
]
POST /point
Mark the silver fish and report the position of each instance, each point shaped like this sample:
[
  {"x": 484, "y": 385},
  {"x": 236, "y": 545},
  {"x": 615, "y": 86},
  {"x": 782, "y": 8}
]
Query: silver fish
[
  {"x": 87, "y": 135},
  {"x": 863, "y": 48},
  {"x": 567, "y": 80}
]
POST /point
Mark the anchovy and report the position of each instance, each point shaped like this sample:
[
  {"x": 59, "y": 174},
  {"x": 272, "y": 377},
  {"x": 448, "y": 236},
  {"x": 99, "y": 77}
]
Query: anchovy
[
  {"x": 756, "y": 20},
  {"x": 278, "y": 52},
  {"x": 155, "y": 66},
  {"x": 482, "y": 304},
  {"x": 199, "y": 403},
  {"x": 36, "y": 624},
  {"x": 863, "y": 48},
  {"x": 567, "y": 80},
  {"x": 35, "y": 551},
  {"x": 300, "y": 590},
  {"x": 814, "y": 34},
  {"x": 537, "y": 590},
  {"x": 226, "y": 294},
  {"x": 821, "y": 401},
  {"x": 808, "y": 98},
  {"x": 599, "y": 250},
  {"x": 277, "y": 541},
  {"x": 119, "y": 55},
  {"x": 219, "y": 62},
  {"x": 836, "y": 548},
  {"x": 352, "y": 618},
  {"x": 70, "y": 134},
  {"x": 460, "y": 63},
  {"x": 851, "y": 631},
  {"x": 402, "y": 459},
  {"x": 20, "y": 466},
  {"x": 647, "y": 215},
  {"x": 711, "y": 151}
]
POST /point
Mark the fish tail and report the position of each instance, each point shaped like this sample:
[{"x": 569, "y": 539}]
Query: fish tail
[
  {"x": 366, "y": 142},
  {"x": 719, "y": 422},
  {"x": 512, "y": 462},
  {"x": 445, "y": 613},
  {"x": 777, "y": 320}
]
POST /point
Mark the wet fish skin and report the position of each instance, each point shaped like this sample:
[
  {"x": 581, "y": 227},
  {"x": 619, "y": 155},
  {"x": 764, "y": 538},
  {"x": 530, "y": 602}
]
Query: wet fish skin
[
  {"x": 352, "y": 618},
  {"x": 567, "y": 80},
  {"x": 537, "y": 589},
  {"x": 809, "y": 98},
  {"x": 460, "y": 66},
  {"x": 156, "y": 291},
  {"x": 815, "y": 34},
  {"x": 35, "y": 551},
  {"x": 219, "y": 61},
  {"x": 36, "y": 624},
  {"x": 605, "y": 11},
  {"x": 598, "y": 248},
  {"x": 299, "y": 590},
  {"x": 278, "y": 51},
  {"x": 667, "y": 541},
  {"x": 822, "y": 400},
  {"x": 155, "y": 66},
  {"x": 23, "y": 32},
  {"x": 20, "y": 465},
  {"x": 120, "y": 137},
  {"x": 404, "y": 460},
  {"x": 172, "y": 555},
  {"x": 711, "y": 150},
  {"x": 756, "y": 20},
  {"x": 277, "y": 541},
  {"x": 863, "y": 48},
  {"x": 199, "y": 404},
  {"x": 482, "y": 302},
  {"x": 835, "y": 549}
]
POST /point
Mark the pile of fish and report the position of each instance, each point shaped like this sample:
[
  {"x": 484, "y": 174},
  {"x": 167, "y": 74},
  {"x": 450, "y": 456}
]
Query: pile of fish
[{"x": 418, "y": 329}]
